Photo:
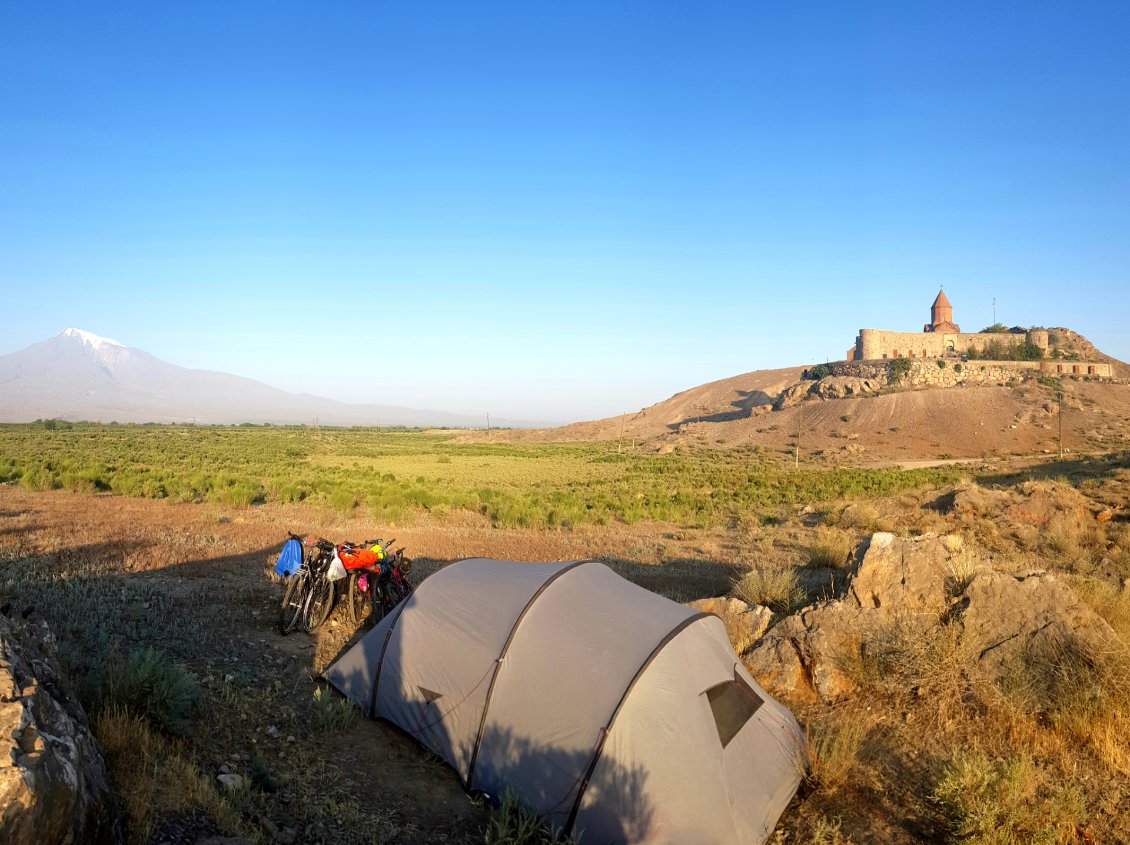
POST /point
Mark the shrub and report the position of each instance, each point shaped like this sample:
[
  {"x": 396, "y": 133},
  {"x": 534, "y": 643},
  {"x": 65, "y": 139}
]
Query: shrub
[
  {"x": 147, "y": 684},
  {"x": 833, "y": 746},
  {"x": 832, "y": 549},
  {"x": 899, "y": 369},
  {"x": 1009, "y": 802},
  {"x": 334, "y": 713},
  {"x": 512, "y": 824},
  {"x": 816, "y": 373},
  {"x": 827, "y": 832},
  {"x": 343, "y": 499},
  {"x": 941, "y": 364},
  {"x": 777, "y": 589}
]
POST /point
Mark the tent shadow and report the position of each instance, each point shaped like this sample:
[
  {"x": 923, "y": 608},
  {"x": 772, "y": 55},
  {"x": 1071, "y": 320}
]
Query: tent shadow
[{"x": 539, "y": 774}]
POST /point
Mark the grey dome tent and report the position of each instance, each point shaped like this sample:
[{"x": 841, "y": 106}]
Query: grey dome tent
[{"x": 607, "y": 709}]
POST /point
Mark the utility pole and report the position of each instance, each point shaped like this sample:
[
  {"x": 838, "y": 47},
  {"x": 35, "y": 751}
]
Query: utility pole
[
  {"x": 994, "y": 310},
  {"x": 488, "y": 425},
  {"x": 620, "y": 442}
]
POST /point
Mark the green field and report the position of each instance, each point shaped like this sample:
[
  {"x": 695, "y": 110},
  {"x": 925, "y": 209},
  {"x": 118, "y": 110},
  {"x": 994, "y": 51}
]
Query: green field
[{"x": 398, "y": 474}]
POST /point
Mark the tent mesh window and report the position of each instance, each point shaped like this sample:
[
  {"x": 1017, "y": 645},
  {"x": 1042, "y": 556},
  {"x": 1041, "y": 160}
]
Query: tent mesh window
[{"x": 733, "y": 704}]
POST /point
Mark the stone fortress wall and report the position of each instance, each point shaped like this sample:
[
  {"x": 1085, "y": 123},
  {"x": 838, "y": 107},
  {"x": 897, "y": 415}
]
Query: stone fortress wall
[
  {"x": 942, "y": 372},
  {"x": 877, "y": 344},
  {"x": 937, "y": 355}
]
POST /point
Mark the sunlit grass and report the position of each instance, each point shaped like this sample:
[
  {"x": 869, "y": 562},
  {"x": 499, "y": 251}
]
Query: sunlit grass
[{"x": 401, "y": 474}]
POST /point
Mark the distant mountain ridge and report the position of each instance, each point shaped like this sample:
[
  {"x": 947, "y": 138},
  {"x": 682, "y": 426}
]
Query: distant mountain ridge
[{"x": 78, "y": 375}]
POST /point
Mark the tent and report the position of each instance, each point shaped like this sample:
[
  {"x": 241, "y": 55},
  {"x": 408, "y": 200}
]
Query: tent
[{"x": 607, "y": 709}]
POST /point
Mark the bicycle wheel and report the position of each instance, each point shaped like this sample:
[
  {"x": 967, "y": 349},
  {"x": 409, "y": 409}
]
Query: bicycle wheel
[
  {"x": 401, "y": 588},
  {"x": 383, "y": 601},
  {"x": 290, "y": 609},
  {"x": 359, "y": 601},
  {"x": 320, "y": 604}
]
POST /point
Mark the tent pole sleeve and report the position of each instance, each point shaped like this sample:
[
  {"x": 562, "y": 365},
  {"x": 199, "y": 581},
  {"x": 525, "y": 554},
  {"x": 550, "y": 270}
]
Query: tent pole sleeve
[
  {"x": 381, "y": 660},
  {"x": 502, "y": 654},
  {"x": 678, "y": 629}
]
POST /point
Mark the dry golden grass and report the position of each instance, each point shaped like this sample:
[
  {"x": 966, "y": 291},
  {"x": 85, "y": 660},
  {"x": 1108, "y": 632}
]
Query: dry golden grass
[
  {"x": 827, "y": 831},
  {"x": 776, "y": 589},
  {"x": 832, "y": 549},
  {"x": 153, "y": 779},
  {"x": 834, "y": 741}
]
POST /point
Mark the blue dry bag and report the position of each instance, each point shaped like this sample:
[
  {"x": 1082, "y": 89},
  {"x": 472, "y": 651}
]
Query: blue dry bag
[{"x": 290, "y": 558}]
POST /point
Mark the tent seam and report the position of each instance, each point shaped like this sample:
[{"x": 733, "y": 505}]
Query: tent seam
[
  {"x": 501, "y": 656},
  {"x": 381, "y": 660},
  {"x": 599, "y": 748}
]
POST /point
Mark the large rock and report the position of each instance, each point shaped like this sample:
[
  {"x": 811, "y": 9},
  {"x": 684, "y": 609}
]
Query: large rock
[
  {"x": 745, "y": 623},
  {"x": 814, "y": 652},
  {"x": 900, "y": 582},
  {"x": 913, "y": 577},
  {"x": 1013, "y": 621},
  {"x": 53, "y": 784},
  {"x": 907, "y": 587}
]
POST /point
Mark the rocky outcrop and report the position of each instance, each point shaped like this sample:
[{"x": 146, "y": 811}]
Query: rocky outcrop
[
  {"x": 831, "y": 387},
  {"x": 908, "y": 587},
  {"x": 745, "y": 623},
  {"x": 1033, "y": 503},
  {"x": 53, "y": 784},
  {"x": 1009, "y": 620}
]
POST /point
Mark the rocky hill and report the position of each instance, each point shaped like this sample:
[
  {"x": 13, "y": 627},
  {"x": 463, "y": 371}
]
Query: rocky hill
[{"x": 863, "y": 421}]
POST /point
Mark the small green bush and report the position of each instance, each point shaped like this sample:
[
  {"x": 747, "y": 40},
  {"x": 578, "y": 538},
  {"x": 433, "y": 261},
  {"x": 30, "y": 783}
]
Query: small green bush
[
  {"x": 343, "y": 499},
  {"x": 899, "y": 369},
  {"x": 816, "y": 373},
  {"x": 334, "y": 713},
  {"x": 148, "y": 685},
  {"x": 512, "y": 824},
  {"x": 1009, "y": 802}
]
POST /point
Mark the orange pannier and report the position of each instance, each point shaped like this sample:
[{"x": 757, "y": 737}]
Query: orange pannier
[{"x": 360, "y": 558}]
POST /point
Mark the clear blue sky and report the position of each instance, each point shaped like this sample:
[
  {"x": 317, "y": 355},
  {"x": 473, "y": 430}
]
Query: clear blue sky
[{"x": 555, "y": 210}]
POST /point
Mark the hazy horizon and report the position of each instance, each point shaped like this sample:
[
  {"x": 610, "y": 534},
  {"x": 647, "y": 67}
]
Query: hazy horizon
[{"x": 555, "y": 212}]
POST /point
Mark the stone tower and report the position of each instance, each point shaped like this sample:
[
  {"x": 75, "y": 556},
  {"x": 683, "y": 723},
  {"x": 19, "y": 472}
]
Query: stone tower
[{"x": 941, "y": 316}]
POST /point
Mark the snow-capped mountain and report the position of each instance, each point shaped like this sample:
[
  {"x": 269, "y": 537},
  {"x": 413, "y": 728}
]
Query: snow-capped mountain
[{"x": 78, "y": 375}]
